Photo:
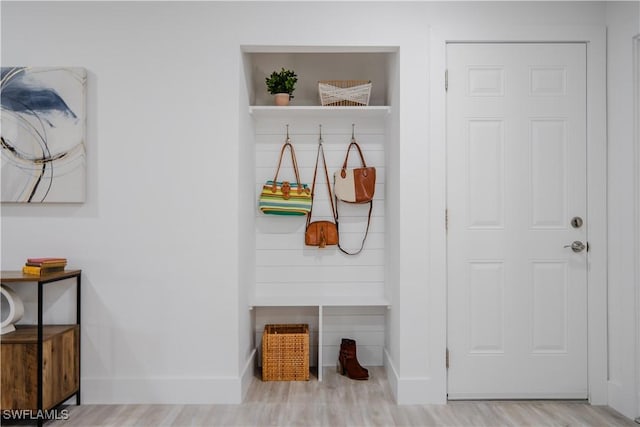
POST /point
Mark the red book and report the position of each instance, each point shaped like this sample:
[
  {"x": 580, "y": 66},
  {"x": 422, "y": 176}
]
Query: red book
[{"x": 45, "y": 260}]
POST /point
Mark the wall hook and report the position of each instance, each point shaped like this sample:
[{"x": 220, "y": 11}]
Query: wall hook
[{"x": 353, "y": 131}]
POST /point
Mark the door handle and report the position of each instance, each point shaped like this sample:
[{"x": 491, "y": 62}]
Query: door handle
[{"x": 576, "y": 246}]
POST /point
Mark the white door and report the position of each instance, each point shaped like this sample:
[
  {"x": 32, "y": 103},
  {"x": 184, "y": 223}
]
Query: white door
[{"x": 516, "y": 177}]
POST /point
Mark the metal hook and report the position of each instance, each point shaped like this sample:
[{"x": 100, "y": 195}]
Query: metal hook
[
  {"x": 353, "y": 131},
  {"x": 320, "y": 139},
  {"x": 287, "y": 132}
]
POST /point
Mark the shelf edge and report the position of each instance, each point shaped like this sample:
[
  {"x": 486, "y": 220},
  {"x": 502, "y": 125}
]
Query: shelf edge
[
  {"x": 320, "y": 301},
  {"x": 256, "y": 110}
]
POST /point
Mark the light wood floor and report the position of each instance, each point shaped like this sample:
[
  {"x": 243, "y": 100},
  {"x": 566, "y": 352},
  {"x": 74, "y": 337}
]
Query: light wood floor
[{"x": 339, "y": 401}]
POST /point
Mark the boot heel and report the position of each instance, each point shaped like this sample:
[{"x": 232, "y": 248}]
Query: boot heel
[{"x": 340, "y": 368}]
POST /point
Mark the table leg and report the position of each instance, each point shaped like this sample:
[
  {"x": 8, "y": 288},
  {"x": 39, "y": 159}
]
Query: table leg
[
  {"x": 40, "y": 353},
  {"x": 79, "y": 335}
]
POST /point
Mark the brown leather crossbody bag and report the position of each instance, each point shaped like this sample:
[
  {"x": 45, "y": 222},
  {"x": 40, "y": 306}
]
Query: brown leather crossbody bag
[{"x": 321, "y": 233}]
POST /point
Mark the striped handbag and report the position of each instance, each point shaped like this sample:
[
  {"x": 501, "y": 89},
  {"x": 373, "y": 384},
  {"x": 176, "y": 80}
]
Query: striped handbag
[{"x": 284, "y": 197}]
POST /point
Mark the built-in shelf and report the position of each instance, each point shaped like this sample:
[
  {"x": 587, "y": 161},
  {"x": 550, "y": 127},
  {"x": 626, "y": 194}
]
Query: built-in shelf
[
  {"x": 325, "y": 301},
  {"x": 271, "y": 111},
  {"x": 320, "y": 303}
]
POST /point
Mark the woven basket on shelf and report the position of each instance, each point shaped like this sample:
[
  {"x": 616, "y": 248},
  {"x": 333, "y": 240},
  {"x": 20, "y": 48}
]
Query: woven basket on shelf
[
  {"x": 285, "y": 352},
  {"x": 344, "y": 92}
]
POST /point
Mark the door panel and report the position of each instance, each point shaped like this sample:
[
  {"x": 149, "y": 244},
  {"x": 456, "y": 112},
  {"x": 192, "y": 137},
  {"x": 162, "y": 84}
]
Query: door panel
[{"x": 516, "y": 176}]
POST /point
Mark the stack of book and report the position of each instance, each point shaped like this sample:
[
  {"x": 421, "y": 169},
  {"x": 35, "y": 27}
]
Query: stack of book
[{"x": 40, "y": 266}]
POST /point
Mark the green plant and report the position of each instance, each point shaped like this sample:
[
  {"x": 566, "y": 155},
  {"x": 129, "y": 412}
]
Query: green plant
[{"x": 283, "y": 81}]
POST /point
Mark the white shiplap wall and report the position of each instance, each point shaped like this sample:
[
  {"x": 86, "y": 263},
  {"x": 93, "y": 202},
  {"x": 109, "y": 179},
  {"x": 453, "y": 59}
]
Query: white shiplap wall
[
  {"x": 288, "y": 269},
  {"x": 284, "y": 265}
]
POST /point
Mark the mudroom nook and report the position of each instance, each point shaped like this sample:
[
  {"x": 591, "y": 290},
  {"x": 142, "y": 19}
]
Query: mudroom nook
[{"x": 337, "y": 293}]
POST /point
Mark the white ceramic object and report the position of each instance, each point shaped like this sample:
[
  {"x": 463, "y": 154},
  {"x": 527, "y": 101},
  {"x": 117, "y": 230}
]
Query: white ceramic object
[{"x": 12, "y": 308}]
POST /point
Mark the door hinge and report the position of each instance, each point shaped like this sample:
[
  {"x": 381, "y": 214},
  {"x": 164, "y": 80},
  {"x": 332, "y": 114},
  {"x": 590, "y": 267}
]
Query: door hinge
[
  {"x": 447, "y": 359},
  {"x": 446, "y": 80},
  {"x": 446, "y": 219}
]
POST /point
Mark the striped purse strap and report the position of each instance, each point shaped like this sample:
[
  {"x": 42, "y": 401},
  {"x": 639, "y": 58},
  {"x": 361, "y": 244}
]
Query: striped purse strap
[{"x": 293, "y": 160}]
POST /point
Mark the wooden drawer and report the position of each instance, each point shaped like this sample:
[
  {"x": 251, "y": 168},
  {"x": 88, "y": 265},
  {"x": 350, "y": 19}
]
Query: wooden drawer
[{"x": 60, "y": 373}]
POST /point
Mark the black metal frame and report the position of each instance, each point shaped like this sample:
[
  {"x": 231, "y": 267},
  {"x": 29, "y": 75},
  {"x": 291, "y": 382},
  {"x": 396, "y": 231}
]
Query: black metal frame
[{"x": 41, "y": 284}]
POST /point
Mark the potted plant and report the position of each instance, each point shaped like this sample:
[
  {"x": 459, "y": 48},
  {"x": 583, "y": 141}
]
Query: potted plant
[{"x": 281, "y": 84}]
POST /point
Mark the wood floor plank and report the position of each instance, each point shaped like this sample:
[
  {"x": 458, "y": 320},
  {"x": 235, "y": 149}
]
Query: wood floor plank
[{"x": 339, "y": 401}]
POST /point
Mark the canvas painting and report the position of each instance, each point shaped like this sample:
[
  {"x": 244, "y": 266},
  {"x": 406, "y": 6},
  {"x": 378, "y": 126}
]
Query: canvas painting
[{"x": 43, "y": 134}]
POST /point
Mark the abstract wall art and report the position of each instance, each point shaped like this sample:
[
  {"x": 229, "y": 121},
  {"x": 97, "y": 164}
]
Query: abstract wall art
[{"x": 42, "y": 134}]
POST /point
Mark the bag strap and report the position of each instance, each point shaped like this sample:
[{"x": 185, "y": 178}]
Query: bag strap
[
  {"x": 346, "y": 159},
  {"x": 366, "y": 233},
  {"x": 343, "y": 173},
  {"x": 326, "y": 175},
  {"x": 293, "y": 160}
]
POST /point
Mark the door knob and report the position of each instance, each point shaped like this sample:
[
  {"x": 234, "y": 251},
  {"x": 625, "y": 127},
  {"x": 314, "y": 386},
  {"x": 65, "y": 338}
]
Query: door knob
[{"x": 576, "y": 246}]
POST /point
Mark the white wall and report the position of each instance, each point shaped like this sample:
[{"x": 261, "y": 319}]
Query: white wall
[
  {"x": 161, "y": 237},
  {"x": 637, "y": 171},
  {"x": 157, "y": 238},
  {"x": 246, "y": 234},
  {"x": 623, "y": 23}
]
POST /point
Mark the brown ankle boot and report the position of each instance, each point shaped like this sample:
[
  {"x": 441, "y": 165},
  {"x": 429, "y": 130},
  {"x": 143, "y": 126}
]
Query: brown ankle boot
[
  {"x": 348, "y": 360},
  {"x": 351, "y": 344}
]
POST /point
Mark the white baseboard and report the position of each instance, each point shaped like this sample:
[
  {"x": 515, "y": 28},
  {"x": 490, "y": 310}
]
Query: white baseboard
[
  {"x": 413, "y": 390},
  {"x": 419, "y": 391},
  {"x": 201, "y": 390},
  {"x": 392, "y": 374},
  {"x": 621, "y": 399},
  {"x": 247, "y": 374},
  {"x": 162, "y": 390}
]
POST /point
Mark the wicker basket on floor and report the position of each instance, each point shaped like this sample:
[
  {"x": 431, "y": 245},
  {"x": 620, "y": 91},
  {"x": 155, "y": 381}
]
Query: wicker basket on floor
[
  {"x": 344, "y": 92},
  {"x": 285, "y": 352}
]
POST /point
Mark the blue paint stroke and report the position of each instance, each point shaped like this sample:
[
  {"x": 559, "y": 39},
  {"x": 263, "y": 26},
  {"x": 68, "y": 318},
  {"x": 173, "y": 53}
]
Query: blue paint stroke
[{"x": 21, "y": 97}]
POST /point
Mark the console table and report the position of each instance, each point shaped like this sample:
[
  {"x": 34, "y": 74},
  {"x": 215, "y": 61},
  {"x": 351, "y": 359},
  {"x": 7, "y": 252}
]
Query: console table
[{"x": 17, "y": 278}]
